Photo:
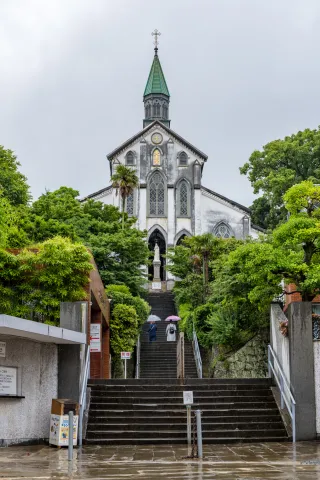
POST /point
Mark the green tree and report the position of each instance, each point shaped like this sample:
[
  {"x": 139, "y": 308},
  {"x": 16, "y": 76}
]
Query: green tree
[
  {"x": 119, "y": 254},
  {"x": 278, "y": 166},
  {"x": 35, "y": 280},
  {"x": 124, "y": 180},
  {"x": 13, "y": 184}
]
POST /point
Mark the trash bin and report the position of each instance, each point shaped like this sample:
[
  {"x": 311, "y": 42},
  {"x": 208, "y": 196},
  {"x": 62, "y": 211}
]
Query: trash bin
[{"x": 59, "y": 421}]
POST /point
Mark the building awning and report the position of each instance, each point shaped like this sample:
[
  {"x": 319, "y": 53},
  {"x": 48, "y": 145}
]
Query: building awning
[{"x": 40, "y": 332}]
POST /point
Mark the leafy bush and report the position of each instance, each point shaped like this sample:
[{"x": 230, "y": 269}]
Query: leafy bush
[
  {"x": 121, "y": 294},
  {"x": 34, "y": 281},
  {"x": 202, "y": 326},
  {"x": 124, "y": 328},
  {"x": 225, "y": 330}
]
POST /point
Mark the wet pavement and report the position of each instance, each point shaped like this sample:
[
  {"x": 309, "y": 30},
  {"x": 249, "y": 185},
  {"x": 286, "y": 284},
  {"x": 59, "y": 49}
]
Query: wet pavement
[{"x": 281, "y": 461}]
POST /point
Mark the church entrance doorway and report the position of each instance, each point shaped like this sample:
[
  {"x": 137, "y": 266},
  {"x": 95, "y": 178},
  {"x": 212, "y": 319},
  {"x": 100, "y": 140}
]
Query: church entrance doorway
[{"x": 157, "y": 237}]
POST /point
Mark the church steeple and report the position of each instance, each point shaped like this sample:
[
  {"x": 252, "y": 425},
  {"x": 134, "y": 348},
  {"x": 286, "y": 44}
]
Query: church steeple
[{"x": 156, "y": 95}]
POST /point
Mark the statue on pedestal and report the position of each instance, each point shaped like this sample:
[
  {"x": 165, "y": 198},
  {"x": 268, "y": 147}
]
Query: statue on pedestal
[{"x": 156, "y": 264}]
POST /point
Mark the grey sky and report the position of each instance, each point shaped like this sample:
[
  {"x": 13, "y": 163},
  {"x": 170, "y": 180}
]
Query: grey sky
[{"x": 240, "y": 73}]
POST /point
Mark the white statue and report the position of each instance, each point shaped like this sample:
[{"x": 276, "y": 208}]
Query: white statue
[{"x": 156, "y": 253}]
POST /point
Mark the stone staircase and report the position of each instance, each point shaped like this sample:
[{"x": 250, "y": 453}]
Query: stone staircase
[
  {"x": 159, "y": 359},
  {"x": 151, "y": 411}
]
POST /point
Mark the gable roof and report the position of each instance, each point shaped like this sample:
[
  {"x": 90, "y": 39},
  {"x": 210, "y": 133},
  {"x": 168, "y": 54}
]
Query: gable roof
[
  {"x": 227, "y": 200},
  {"x": 168, "y": 130},
  {"x": 156, "y": 82}
]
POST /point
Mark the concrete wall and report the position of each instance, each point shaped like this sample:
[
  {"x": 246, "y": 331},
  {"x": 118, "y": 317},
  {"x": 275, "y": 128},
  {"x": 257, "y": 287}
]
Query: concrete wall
[
  {"x": 28, "y": 419},
  {"x": 278, "y": 342},
  {"x": 316, "y": 350}
]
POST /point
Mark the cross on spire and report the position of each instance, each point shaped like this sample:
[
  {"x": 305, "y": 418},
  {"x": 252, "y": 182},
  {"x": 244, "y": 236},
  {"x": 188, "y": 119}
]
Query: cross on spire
[{"x": 156, "y": 34}]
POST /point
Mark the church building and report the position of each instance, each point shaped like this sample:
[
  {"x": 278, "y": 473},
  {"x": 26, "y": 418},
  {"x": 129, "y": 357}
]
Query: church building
[{"x": 171, "y": 201}]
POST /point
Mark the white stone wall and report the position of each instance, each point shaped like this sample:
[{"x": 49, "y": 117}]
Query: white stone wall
[
  {"x": 28, "y": 419},
  {"x": 316, "y": 352},
  {"x": 215, "y": 210},
  {"x": 279, "y": 343}
]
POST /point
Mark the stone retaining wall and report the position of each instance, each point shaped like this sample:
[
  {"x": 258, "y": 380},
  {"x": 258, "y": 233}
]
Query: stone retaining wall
[{"x": 250, "y": 361}]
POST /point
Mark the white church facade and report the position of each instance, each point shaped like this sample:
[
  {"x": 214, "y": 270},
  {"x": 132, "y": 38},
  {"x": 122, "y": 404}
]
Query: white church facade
[{"x": 171, "y": 202}]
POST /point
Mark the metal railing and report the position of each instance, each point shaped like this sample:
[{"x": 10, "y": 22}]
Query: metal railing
[
  {"x": 180, "y": 356},
  {"x": 285, "y": 392},
  {"x": 83, "y": 393},
  {"x": 138, "y": 347},
  {"x": 196, "y": 352}
]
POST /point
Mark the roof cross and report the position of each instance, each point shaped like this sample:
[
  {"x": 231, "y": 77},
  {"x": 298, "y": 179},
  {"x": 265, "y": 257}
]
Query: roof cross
[{"x": 156, "y": 34}]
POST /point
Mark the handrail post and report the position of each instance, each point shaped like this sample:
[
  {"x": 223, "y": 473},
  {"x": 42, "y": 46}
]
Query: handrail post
[
  {"x": 138, "y": 346},
  {"x": 281, "y": 389},
  {"x": 83, "y": 394},
  {"x": 293, "y": 422},
  {"x": 269, "y": 362}
]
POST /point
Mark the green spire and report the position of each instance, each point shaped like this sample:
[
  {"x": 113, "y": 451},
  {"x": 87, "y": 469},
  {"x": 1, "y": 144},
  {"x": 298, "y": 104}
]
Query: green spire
[{"x": 156, "y": 82}]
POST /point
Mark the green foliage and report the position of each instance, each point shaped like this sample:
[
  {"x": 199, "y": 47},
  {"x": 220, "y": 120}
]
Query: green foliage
[
  {"x": 119, "y": 254},
  {"x": 124, "y": 322},
  {"x": 124, "y": 180},
  {"x": 280, "y": 165},
  {"x": 225, "y": 329},
  {"x": 121, "y": 294},
  {"x": 124, "y": 337},
  {"x": 13, "y": 185},
  {"x": 35, "y": 280}
]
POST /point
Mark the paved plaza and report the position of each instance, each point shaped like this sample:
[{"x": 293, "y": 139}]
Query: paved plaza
[{"x": 281, "y": 461}]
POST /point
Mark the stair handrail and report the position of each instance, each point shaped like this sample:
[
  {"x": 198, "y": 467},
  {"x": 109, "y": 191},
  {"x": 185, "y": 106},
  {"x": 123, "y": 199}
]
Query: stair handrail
[
  {"x": 138, "y": 348},
  {"x": 196, "y": 352},
  {"x": 83, "y": 393},
  {"x": 283, "y": 385},
  {"x": 180, "y": 356}
]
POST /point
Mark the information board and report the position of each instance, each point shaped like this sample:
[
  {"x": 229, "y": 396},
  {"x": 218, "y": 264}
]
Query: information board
[
  {"x": 188, "y": 398},
  {"x": 95, "y": 337},
  {"x": 8, "y": 380},
  {"x": 2, "y": 349}
]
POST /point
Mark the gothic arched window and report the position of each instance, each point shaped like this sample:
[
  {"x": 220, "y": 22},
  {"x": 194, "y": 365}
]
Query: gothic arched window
[
  {"x": 156, "y": 195},
  {"x": 183, "y": 159},
  {"x": 130, "y": 158},
  {"x": 223, "y": 231},
  {"x": 183, "y": 200},
  {"x": 129, "y": 208},
  {"x": 156, "y": 157},
  {"x": 165, "y": 111}
]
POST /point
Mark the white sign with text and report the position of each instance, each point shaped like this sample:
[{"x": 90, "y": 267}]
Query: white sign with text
[
  {"x": 95, "y": 337},
  {"x": 8, "y": 380},
  {"x": 188, "y": 398},
  {"x": 2, "y": 349},
  {"x": 125, "y": 355}
]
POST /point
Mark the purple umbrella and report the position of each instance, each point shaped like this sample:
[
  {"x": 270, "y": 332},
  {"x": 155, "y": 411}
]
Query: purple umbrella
[{"x": 172, "y": 318}]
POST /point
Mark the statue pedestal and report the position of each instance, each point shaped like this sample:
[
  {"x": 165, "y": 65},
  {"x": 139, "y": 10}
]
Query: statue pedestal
[{"x": 156, "y": 271}]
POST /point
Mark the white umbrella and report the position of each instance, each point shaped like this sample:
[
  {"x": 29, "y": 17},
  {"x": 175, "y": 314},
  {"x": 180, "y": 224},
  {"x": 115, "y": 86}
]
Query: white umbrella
[{"x": 154, "y": 318}]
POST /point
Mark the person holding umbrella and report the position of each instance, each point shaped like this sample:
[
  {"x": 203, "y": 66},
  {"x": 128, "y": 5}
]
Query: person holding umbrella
[
  {"x": 171, "y": 328},
  {"x": 153, "y": 327}
]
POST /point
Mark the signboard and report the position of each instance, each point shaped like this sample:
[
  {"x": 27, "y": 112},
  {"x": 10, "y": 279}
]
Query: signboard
[
  {"x": 8, "y": 380},
  {"x": 156, "y": 286},
  {"x": 2, "y": 349},
  {"x": 59, "y": 430},
  {"x": 188, "y": 398},
  {"x": 125, "y": 355},
  {"x": 95, "y": 337}
]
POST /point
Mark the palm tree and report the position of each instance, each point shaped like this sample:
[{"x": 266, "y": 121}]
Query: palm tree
[{"x": 124, "y": 180}]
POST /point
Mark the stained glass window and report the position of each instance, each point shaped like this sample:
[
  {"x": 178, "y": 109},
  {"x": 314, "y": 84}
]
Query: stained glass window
[
  {"x": 130, "y": 158},
  {"x": 156, "y": 195},
  {"x": 223, "y": 231},
  {"x": 130, "y": 204},
  {"x": 183, "y": 198},
  {"x": 183, "y": 159},
  {"x": 156, "y": 159}
]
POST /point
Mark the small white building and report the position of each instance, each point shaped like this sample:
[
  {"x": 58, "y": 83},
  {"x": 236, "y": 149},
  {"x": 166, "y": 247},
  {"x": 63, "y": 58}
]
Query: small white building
[{"x": 171, "y": 201}]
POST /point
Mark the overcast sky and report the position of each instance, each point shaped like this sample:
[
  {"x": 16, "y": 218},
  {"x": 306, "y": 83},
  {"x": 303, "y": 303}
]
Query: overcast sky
[{"x": 240, "y": 73}]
